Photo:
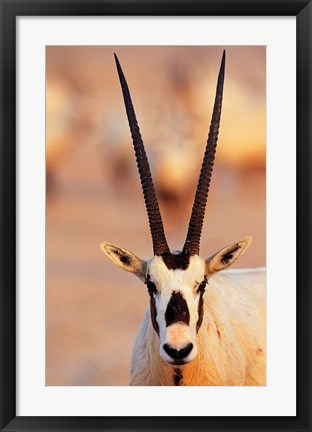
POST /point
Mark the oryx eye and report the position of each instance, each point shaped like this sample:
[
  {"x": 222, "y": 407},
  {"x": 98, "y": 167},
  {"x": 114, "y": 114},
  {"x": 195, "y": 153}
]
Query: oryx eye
[
  {"x": 201, "y": 287},
  {"x": 151, "y": 287}
]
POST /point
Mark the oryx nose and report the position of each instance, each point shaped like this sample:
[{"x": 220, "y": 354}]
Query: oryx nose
[{"x": 178, "y": 354}]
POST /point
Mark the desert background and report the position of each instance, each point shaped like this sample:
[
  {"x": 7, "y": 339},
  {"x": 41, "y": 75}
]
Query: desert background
[{"x": 94, "y": 309}]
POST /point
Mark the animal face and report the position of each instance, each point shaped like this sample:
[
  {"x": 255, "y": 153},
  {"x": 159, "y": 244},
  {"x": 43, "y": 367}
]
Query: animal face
[
  {"x": 176, "y": 285},
  {"x": 176, "y": 307}
]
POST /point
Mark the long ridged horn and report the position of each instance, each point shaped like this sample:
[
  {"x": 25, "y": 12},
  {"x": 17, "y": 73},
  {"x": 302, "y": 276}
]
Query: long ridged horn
[
  {"x": 192, "y": 241},
  {"x": 160, "y": 245}
]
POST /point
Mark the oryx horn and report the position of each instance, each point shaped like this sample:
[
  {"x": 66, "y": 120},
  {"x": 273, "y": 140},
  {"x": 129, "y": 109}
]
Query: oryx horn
[
  {"x": 192, "y": 241},
  {"x": 160, "y": 245}
]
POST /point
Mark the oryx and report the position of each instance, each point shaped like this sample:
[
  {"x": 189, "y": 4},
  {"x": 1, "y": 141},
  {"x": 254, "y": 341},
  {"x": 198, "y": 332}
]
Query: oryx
[{"x": 201, "y": 328}]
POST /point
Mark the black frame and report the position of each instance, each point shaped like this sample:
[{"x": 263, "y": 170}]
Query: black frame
[{"x": 9, "y": 10}]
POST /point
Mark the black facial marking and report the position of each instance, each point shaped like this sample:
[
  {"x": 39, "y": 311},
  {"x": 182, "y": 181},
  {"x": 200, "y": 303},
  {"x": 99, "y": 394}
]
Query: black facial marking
[
  {"x": 202, "y": 286},
  {"x": 177, "y": 377},
  {"x": 228, "y": 255},
  {"x": 151, "y": 287},
  {"x": 176, "y": 261},
  {"x": 200, "y": 311},
  {"x": 177, "y": 310},
  {"x": 154, "y": 313}
]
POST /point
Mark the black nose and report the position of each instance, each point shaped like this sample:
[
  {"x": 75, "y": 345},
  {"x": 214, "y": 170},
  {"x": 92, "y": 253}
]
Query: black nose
[{"x": 178, "y": 355}]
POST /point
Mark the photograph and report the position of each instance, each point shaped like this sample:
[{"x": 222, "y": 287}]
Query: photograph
[{"x": 155, "y": 166}]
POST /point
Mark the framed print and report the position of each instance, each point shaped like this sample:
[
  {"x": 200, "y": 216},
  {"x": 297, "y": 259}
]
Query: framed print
[{"x": 106, "y": 166}]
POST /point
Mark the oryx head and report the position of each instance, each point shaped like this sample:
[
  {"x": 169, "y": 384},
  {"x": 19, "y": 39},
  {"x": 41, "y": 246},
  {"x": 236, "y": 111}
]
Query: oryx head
[{"x": 175, "y": 281}]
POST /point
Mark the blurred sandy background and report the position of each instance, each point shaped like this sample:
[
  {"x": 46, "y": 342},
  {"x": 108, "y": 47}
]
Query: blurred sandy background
[{"x": 93, "y": 309}]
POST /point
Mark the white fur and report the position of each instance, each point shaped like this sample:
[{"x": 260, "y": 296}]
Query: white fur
[
  {"x": 186, "y": 282},
  {"x": 231, "y": 342},
  {"x": 229, "y": 348}
]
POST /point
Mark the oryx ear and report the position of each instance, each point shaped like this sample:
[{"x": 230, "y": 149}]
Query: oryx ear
[
  {"x": 226, "y": 256},
  {"x": 125, "y": 259}
]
